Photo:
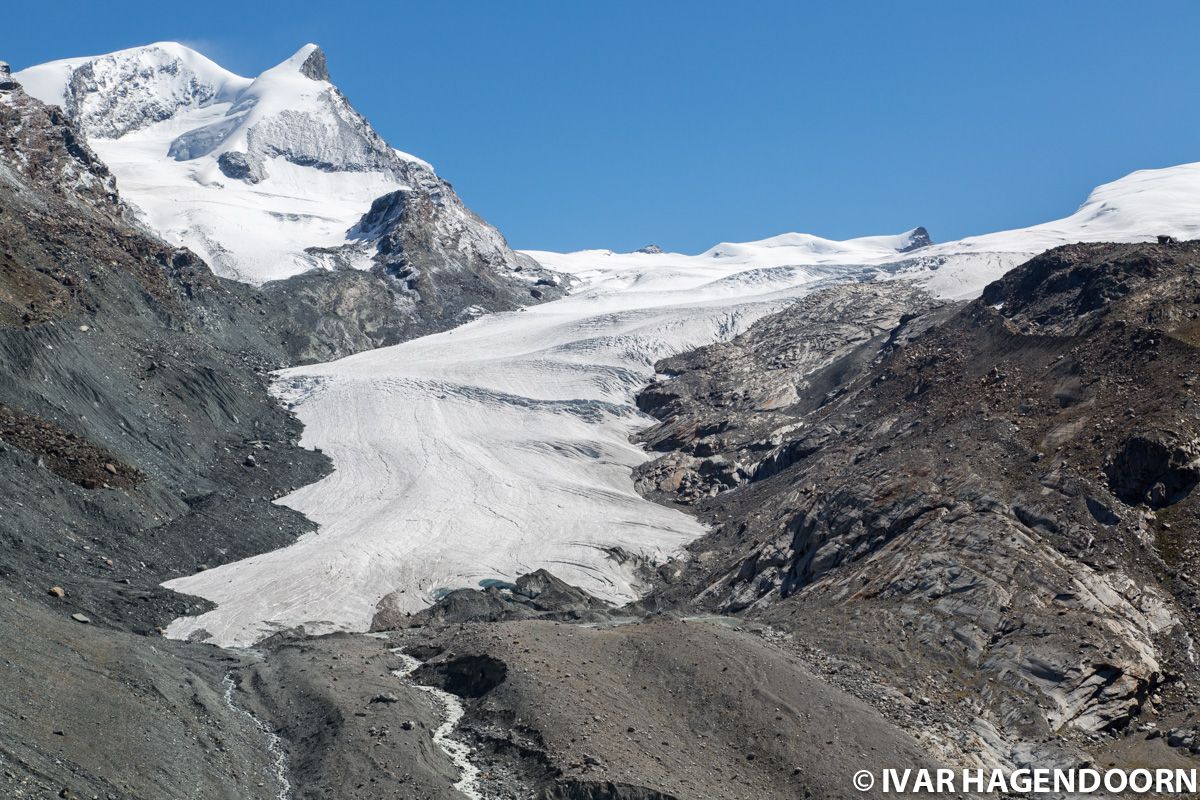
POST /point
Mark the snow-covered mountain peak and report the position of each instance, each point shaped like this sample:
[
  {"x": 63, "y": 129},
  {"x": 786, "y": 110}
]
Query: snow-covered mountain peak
[
  {"x": 290, "y": 111},
  {"x": 263, "y": 177},
  {"x": 112, "y": 95},
  {"x": 303, "y": 75}
]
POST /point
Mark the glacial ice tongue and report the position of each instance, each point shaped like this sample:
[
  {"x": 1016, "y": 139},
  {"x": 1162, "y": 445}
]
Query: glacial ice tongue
[
  {"x": 503, "y": 446},
  {"x": 488, "y": 451}
]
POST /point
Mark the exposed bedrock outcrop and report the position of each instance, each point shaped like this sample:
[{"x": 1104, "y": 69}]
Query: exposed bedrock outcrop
[
  {"x": 997, "y": 495},
  {"x": 434, "y": 266},
  {"x": 535, "y": 595}
]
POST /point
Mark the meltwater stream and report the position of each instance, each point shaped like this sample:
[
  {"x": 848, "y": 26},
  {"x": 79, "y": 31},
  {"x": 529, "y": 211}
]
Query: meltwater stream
[
  {"x": 451, "y": 707},
  {"x": 491, "y": 450},
  {"x": 278, "y": 758}
]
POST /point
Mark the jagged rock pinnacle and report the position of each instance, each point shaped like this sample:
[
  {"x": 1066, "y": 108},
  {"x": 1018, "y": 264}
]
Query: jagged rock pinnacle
[
  {"x": 315, "y": 66},
  {"x": 917, "y": 239}
]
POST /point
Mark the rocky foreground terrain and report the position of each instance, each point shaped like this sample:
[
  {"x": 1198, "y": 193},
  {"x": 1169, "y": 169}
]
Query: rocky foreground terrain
[
  {"x": 982, "y": 515},
  {"x": 942, "y": 534}
]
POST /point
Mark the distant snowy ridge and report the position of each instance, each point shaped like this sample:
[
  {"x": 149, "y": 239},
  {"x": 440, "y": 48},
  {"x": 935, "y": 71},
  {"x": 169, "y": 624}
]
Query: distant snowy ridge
[
  {"x": 1137, "y": 207},
  {"x": 265, "y": 178}
]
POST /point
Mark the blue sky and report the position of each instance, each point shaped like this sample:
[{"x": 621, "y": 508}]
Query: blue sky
[{"x": 572, "y": 124}]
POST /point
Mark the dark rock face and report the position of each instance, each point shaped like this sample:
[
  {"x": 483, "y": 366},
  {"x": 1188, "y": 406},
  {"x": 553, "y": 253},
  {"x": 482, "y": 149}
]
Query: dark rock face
[
  {"x": 537, "y": 595},
  {"x": 724, "y": 421},
  {"x": 470, "y": 676},
  {"x": 545, "y": 592},
  {"x": 435, "y": 267},
  {"x": 315, "y": 66},
  {"x": 240, "y": 167},
  {"x": 968, "y": 494},
  {"x": 919, "y": 238},
  {"x": 324, "y": 315},
  {"x": 7, "y": 84},
  {"x": 43, "y": 149},
  {"x": 1154, "y": 467}
]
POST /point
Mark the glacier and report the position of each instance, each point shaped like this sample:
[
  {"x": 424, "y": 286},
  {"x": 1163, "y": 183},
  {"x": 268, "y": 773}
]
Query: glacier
[
  {"x": 488, "y": 451},
  {"x": 503, "y": 445}
]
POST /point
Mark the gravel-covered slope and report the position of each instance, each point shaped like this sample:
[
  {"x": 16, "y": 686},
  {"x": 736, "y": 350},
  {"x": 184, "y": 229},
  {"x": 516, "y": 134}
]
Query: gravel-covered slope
[
  {"x": 651, "y": 709},
  {"x": 89, "y": 711},
  {"x": 988, "y": 505},
  {"x": 137, "y": 442}
]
